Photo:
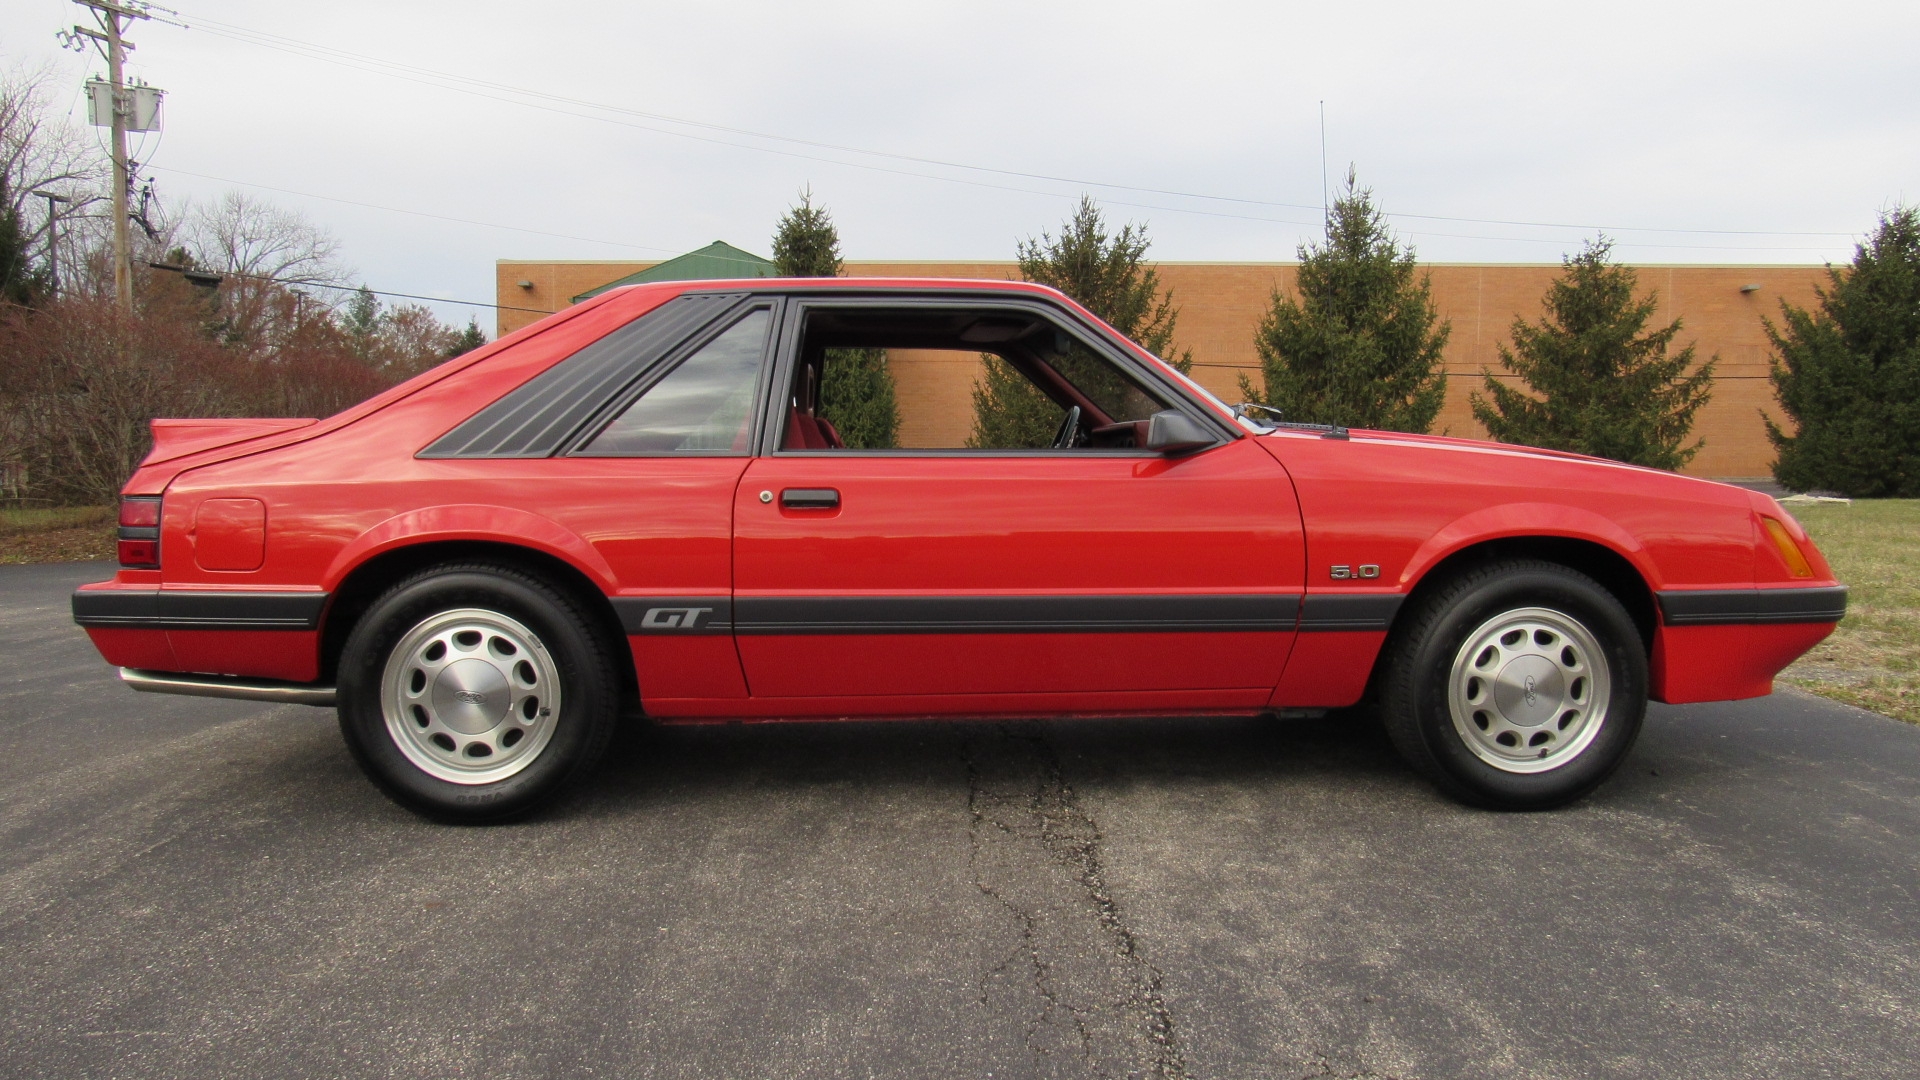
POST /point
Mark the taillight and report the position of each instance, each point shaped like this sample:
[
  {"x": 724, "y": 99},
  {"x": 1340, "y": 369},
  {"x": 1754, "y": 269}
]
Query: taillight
[
  {"x": 140, "y": 532},
  {"x": 1790, "y": 552}
]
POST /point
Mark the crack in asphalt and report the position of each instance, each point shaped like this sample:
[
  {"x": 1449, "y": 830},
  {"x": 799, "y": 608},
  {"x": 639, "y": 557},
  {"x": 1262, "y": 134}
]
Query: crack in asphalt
[
  {"x": 1031, "y": 841},
  {"x": 1326, "y": 1071}
]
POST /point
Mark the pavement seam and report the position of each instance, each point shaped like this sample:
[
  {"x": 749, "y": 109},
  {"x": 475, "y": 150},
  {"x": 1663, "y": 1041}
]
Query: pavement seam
[
  {"x": 1081, "y": 851},
  {"x": 1040, "y": 969},
  {"x": 1070, "y": 835}
]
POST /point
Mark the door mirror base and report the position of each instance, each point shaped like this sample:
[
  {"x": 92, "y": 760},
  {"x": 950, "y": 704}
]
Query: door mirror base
[{"x": 1172, "y": 432}]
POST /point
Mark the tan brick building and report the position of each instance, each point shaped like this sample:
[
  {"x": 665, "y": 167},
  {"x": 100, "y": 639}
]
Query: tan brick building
[{"x": 1221, "y": 304}]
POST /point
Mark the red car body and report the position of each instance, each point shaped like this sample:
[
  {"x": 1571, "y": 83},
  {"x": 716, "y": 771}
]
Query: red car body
[{"x": 1261, "y": 574}]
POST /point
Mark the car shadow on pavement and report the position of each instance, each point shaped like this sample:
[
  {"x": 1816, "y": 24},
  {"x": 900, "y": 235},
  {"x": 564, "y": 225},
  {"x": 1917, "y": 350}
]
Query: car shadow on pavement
[{"x": 649, "y": 763}]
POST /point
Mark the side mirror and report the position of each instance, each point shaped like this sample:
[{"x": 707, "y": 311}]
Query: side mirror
[{"x": 1173, "y": 432}]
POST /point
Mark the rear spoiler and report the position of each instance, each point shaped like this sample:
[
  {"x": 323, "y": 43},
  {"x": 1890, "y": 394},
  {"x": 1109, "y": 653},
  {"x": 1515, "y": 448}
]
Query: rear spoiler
[{"x": 178, "y": 438}]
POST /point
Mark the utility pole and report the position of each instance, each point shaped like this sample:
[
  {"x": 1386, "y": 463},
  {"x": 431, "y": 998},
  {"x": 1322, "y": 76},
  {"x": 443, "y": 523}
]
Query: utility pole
[
  {"x": 108, "y": 37},
  {"x": 53, "y": 237}
]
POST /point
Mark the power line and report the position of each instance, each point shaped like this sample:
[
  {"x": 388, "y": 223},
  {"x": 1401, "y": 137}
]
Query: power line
[
  {"x": 443, "y": 217},
  {"x": 466, "y": 84},
  {"x": 1450, "y": 372},
  {"x": 212, "y": 278},
  {"x": 713, "y": 141},
  {"x": 673, "y": 251},
  {"x": 414, "y": 213},
  {"x": 408, "y": 296}
]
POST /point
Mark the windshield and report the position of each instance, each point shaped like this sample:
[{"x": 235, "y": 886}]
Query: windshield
[{"x": 1251, "y": 424}]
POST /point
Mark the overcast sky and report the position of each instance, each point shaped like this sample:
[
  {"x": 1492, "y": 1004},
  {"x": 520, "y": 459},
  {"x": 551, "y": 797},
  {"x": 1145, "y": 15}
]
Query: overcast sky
[{"x": 1756, "y": 132}]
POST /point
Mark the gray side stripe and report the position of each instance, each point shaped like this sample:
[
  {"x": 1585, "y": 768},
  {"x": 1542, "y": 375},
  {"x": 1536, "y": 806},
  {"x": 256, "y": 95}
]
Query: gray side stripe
[
  {"x": 1002, "y": 614},
  {"x": 1013, "y": 614},
  {"x": 1323, "y": 612},
  {"x": 1727, "y": 607}
]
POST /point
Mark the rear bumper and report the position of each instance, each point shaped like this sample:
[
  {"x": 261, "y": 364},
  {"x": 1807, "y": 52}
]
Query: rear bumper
[
  {"x": 256, "y": 634},
  {"x": 221, "y": 686},
  {"x": 148, "y": 608}
]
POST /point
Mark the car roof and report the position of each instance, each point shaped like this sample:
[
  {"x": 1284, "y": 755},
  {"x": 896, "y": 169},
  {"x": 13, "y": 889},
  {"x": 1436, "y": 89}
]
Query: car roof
[{"x": 855, "y": 284}]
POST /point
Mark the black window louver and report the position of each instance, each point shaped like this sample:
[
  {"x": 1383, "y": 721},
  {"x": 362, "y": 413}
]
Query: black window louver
[{"x": 537, "y": 418}]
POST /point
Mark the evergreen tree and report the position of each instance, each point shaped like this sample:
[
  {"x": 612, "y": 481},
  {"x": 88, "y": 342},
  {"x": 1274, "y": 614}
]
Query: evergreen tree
[
  {"x": 1359, "y": 347},
  {"x": 362, "y": 321},
  {"x": 19, "y": 283},
  {"x": 1848, "y": 373},
  {"x": 467, "y": 340},
  {"x": 1105, "y": 273},
  {"x": 805, "y": 243},
  {"x": 1108, "y": 276},
  {"x": 856, "y": 396},
  {"x": 856, "y": 387},
  {"x": 1602, "y": 383},
  {"x": 1009, "y": 412}
]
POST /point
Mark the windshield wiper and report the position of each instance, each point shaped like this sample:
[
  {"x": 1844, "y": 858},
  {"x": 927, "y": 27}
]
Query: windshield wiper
[{"x": 1245, "y": 408}]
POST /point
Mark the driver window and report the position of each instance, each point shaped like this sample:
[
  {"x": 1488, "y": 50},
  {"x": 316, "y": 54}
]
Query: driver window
[{"x": 920, "y": 379}]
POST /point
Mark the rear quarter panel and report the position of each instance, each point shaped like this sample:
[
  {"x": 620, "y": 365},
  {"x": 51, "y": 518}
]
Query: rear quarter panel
[{"x": 650, "y": 526}]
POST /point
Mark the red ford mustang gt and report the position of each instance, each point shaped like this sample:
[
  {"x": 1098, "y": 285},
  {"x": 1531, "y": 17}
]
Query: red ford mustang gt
[{"x": 643, "y": 504}]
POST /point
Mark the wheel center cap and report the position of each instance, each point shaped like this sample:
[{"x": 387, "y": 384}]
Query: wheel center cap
[
  {"x": 470, "y": 696},
  {"x": 1529, "y": 690}
]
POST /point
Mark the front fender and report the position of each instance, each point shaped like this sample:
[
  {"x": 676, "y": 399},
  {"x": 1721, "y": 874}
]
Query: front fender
[
  {"x": 1528, "y": 519},
  {"x": 475, "y": 522}
]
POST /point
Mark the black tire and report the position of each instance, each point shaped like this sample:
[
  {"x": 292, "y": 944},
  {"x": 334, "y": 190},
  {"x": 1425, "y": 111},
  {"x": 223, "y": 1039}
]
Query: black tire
[
  {"x": 1472, "y": 735},
  {"x": 533, "y": 652}
]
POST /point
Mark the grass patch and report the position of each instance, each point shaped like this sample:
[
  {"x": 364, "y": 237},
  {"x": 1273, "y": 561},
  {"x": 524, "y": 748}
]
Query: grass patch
[
  {"x": 59, "y": 534},
  {"x": 1873, "y": 659}
]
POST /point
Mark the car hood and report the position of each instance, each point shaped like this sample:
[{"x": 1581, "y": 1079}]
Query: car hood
[{"x": 1453, "y": 446}]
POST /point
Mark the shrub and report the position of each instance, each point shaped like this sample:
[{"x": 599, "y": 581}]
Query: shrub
[{"x": 80, "y": 382}]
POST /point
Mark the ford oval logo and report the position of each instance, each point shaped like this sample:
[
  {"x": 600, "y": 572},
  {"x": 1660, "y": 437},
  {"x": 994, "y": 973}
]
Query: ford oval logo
[{"x": 471, "y": 697}]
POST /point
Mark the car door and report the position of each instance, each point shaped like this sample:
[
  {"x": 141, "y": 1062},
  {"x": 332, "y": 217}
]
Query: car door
[{"x": 1078, "y": 580}]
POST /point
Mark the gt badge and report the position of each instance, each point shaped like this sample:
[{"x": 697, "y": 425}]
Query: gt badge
[{"x": 674, "y": 618}]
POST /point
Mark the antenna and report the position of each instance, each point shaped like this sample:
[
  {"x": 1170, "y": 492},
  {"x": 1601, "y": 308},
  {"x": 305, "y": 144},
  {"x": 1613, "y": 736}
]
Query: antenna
[{"x": 1323, "y": 157}]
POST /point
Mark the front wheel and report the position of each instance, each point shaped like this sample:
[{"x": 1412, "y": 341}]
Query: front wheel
[
  {"x": 475, "y": 693},
  {"x": 1519, "y": 685}
]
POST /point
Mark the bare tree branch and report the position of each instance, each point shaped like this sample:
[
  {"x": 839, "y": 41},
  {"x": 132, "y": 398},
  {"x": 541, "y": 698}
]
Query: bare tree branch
[
  {"x": 41, "y": 150},
  {"x": 241, "y": 235}
]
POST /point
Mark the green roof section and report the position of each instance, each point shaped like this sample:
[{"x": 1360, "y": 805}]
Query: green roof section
[{"x": 716, "y": 261}]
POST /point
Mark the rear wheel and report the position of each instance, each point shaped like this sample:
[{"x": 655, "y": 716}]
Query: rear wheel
[
  {"x": 475, "y": 693},
  {"x": 1519, "y": 685}
]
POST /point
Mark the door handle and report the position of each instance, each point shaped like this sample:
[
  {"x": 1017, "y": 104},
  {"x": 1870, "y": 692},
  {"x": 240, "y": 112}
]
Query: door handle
[{"x": 810, "y": 498}]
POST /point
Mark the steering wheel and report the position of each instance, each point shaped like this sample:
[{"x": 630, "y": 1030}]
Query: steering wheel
[{"x": 1069, "y": 433}]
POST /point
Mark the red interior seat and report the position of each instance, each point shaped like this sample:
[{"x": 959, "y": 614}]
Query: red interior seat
[{"x": 803, "y": 432}]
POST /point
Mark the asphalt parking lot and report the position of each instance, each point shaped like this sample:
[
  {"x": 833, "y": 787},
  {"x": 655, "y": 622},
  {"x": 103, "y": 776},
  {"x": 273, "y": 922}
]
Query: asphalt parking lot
[{"x": 205, "y": 888}]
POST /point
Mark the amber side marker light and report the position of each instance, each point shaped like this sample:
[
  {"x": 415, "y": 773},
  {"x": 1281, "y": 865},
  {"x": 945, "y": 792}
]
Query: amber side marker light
[
  {"x": 1796, "y": 559},
  {"x": 140, "y": 532}
]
